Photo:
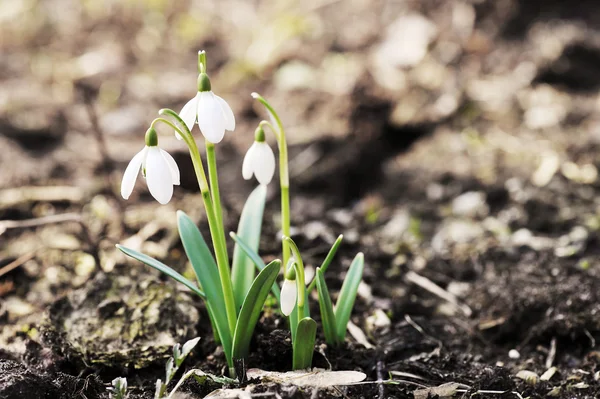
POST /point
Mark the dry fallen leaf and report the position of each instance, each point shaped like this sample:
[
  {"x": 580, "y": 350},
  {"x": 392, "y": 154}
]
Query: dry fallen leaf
[
  {"x": 316, "y": 378},
  {"x": 446, "y": 390}
]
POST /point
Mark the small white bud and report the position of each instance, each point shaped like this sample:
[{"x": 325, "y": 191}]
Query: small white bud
[{"x": 289, "y": 294}]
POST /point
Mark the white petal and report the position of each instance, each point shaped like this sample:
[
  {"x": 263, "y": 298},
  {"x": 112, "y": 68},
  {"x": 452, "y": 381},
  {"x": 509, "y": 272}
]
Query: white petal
[
  {"x": 172, "y": 166},
  {"x": 210, "y": 117},
  {"x": 158, "y": 176},
  {"x": 264, "y": 163},
  {"x": 188, "y": 114},
  {"x": 248, "y": 164},
  {"x": 227, "y": 114},
  {"x": 289, "y": 292},
  {"x": 131, "y": 172}
]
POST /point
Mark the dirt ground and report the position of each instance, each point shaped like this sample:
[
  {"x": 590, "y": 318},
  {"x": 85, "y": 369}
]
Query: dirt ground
[{"x": 455, "y": 143}]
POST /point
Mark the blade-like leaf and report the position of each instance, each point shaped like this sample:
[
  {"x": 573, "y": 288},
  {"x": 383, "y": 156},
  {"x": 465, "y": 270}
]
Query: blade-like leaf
[
  {"x": 251, "y": 308},
  {"x": 258, "y": 262},
  {"x": 304, "y": 344},
  {"x": 327, "y": 314},
  {"x": 161, "y": 267},
  {"x": 327, "y": 261},
  {"x": 249, "y": 227},
  {"x": 208, "y": 275},
  {"x": 345, "y": 301}
]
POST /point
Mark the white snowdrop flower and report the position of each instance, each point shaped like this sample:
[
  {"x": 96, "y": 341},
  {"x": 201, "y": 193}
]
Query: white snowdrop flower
[
  {"x": 289, "y": 294},
  {"x": 259, "y": 160},
  {"x": 210, "y": 111},
  {"x": 157, "y": 166}
]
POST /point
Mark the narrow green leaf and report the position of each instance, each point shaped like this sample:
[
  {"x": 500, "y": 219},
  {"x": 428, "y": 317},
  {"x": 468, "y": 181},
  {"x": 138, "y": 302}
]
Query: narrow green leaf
[
  {"x": 258, "y": 262},
  {"x": 161, "y": 267},
  {"x": 345, "y": 301},
  {"x": 304, "y": 344},
  {"x": 249, "y": 227},
  {"x": 207, "y": 273},
  {"x": 327, "y": 261},
  {"x": 251, "y": 308},
  {"x": 327, "y": 314}
]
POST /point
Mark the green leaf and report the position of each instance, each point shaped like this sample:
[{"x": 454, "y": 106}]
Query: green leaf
[
  {"x": 258, "y": 262},
  {"x": 327, "y": 314},
  {"x": 327, "y": 261},
  {"x": 304, "y": 344},
  {"x": 249, "y": 227},
  {"x": 345, "y": 301},
  {"x": 161, "y": 267},
  {"x": 207, "y": 273},
  {"x": 251, "y": 308}
]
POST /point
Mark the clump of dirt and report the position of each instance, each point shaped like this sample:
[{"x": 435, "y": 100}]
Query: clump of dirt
[{"x": 117, "y": 321}]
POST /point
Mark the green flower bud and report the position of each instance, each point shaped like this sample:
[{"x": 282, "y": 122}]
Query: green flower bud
[
  {"x": 259, "y": 135},
  {"x": 151, "y": 137},
  {"x": 203, "y": 83}
]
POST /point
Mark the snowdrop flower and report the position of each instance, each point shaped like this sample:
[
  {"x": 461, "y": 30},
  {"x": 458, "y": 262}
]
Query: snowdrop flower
[
  {"x": 212, "y": 113},
  {"x": 259, "y": 160},
  {"x": 158, "y": 167},
  {"x": 289, "y": 290}
]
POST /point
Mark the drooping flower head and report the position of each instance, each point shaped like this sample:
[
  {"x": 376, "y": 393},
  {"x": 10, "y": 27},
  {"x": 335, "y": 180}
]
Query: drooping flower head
[
  {"x": 157, "y": 166},
  {"x": 259, "y": 160},
  {"x": 210, "y": 111}
]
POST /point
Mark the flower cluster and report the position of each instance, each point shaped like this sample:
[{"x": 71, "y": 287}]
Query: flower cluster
[{"x": 235, "y": 289}]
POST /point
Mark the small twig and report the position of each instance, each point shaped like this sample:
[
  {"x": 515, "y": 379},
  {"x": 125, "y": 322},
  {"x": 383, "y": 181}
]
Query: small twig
[
  {"x": 405, "y": 374},
  {"x": 16, "y": 263},
  {"x": 15, "y": 196},
  {"x": 63, "y": 217},
  {"x": 592, "y": 339},
  {"x": 88, "y": 99},
  {"x": 417, "y": 327},
  {"x": 485, "y": 391},
  {"x": 435, "y": 289},
  {"x": 551, "y": 353},
  {"x": 381, "y": 387}
]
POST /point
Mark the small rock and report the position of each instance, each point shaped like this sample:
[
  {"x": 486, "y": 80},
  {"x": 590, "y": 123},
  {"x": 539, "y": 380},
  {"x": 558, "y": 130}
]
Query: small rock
[
  {"x": 398, "y": 224},
  {"x": 514, "y": 354},
  {"x": 407, "y": 41},
  {"x": 470, "y": 204},
  {"x": 528, "y": 376},
  {"x": 548, "y": 374},
  {"x": 456, "y": 232}
]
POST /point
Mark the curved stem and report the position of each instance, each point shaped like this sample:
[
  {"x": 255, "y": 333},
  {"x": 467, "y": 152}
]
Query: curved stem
[
  {"x": 299, "y": 267},
  {"x": 284, "y": 176},
  {"x": 216, "y": 229}
]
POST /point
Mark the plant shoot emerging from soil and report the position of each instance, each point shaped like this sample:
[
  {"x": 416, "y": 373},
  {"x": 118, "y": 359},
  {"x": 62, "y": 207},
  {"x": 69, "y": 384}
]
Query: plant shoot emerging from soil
[{"x": 233, "y": 291}]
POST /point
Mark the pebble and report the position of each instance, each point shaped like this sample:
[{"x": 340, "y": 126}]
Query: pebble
[
  {"x": 470, "y": 204},
  {"x": 407, "y": 41}
]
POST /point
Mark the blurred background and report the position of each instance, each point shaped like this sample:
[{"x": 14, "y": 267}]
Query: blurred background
[
  {"x": 393, "y": 109},
  {"x": 81, "y": 80}
]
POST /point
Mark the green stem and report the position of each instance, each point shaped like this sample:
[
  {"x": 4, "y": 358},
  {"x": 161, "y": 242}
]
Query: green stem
[
  {"x": 211, "y": 160},
  {"x": 301, "y": 286},
  {"x": 299, "y": 267},
  {"x": 216, "y": 229},
  {"x": 284, "y": 175},
  {"x": 217, "y": 239}
]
